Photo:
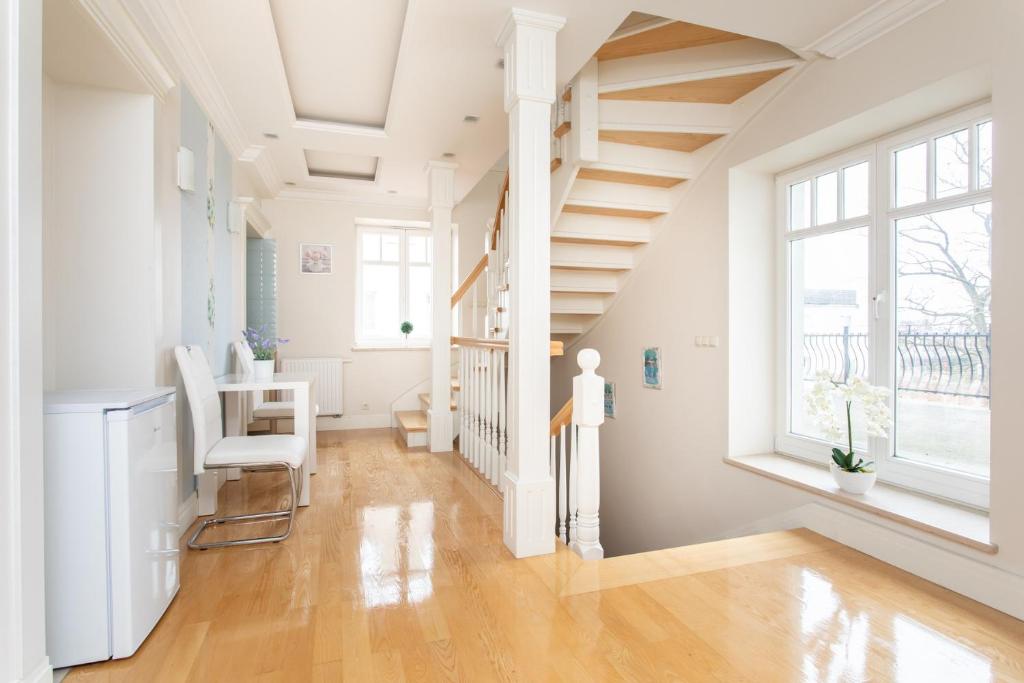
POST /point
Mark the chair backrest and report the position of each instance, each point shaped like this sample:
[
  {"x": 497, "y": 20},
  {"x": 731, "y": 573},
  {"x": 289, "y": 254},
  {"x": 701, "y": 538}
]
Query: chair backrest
[{"x": 203, "y": 402}]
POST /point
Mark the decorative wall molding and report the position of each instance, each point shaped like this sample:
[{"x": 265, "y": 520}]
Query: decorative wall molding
[
  {"x": 869, "y": 25},
  {"x": 337, "y": 128},
  {"x": 169, "y": 21},
  {"x": 115, "y": 22}
]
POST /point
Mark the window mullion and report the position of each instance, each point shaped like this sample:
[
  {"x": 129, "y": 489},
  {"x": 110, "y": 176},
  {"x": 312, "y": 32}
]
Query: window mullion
[{"x": 403, "y": 275}]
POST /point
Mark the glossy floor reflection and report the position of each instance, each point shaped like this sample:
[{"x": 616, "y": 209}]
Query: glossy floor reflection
[{"x": 398, "y": 572}]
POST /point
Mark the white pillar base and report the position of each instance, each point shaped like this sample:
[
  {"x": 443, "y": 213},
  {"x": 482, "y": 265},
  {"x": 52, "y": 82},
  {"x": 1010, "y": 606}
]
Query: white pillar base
[
  {"x": 439, "y": 431},
  {"x": 528, "y": 527}
]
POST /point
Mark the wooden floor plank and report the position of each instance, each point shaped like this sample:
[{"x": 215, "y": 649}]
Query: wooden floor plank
[{"x": 397, "y": 571}]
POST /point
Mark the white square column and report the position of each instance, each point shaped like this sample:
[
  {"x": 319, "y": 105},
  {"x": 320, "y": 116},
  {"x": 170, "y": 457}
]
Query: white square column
[
  {"x": 441, "y": 182},
  {"x": 528, "y": 40}
]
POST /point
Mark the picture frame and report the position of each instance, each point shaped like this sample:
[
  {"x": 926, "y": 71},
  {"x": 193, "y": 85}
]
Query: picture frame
[
  {"x": 316, "y": 259},
  {"x": 652, "y": 376},
  {"x": 609, "y": 399}
]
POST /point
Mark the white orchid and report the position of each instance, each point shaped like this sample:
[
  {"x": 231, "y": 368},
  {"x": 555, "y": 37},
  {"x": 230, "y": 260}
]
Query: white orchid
[{"x": 822, "y": 401}]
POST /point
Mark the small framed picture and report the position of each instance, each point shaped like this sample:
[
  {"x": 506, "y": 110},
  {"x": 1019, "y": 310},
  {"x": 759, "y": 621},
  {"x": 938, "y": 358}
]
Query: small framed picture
[
  {"x": 316, "y": 259},
  {"x": 609, "y": 399},
  {"x": 652, "y": 367}
]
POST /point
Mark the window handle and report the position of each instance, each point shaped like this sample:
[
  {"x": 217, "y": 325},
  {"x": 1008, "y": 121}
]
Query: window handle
[{"x": 878, "y": 300}]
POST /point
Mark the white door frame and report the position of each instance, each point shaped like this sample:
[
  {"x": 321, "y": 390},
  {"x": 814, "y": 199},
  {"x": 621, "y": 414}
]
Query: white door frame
[{"x": 22, "y": 584}]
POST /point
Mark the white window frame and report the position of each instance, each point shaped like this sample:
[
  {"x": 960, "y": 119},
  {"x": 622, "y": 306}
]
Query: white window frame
[
  {"x": 398, "y": 340},
  {"x": 934, "y": 480}
]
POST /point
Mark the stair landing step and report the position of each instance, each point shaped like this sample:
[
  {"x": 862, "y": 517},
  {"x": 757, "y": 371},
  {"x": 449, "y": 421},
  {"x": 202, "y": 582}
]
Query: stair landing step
[{"x": 412, "y": 420}]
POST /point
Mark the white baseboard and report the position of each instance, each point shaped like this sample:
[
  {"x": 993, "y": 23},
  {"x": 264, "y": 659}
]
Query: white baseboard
[
  {"x": 42, "y": 673},
  {"x": 344, "y": 422},
  {"x": 978, "y": 580},
  {"x": 187, "y": 512}
]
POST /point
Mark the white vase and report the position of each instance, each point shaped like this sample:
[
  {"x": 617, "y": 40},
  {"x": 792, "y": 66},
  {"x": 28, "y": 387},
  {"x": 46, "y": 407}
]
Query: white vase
[
  {"x": 857, "y": 483},
  {"x": 264, "y": 369}
]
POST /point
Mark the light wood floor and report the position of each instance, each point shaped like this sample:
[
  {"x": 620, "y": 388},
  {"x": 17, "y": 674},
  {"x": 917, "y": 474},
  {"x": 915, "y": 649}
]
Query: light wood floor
[{"x": 398, "y": 572}]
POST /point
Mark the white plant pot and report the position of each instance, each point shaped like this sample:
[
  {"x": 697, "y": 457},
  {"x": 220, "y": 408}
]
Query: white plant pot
[
  {"x": 264, "y": 369},
  {"x": 857, "y": 483}
]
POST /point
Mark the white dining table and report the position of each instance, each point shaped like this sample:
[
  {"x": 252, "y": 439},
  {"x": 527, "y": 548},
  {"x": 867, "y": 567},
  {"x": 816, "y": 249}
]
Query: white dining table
[{"x": 303, "y": 388}]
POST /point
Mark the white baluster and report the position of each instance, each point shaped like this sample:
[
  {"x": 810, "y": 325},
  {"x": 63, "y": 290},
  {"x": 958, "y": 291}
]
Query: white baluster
[
  {"x": 587, "y": 417},
  {"x": 502, "y": 420},
  {"x": 573, "y": 479},
  {"x": 488, "y": 425},
  {"x": 463, "y": 403},
  {"x": 563, "y": 487},
  {"x": 495, "y": 473}
]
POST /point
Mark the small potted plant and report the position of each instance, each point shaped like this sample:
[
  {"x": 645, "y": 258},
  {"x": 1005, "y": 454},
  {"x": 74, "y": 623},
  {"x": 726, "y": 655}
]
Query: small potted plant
[
  {"x": 826, "y": 400},
  {"x": 406, "y": 328},
  {"x": 263, "y": 349}
]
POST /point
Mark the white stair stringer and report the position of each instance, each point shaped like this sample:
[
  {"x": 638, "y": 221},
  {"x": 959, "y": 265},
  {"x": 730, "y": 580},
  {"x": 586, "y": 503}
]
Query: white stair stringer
[{"x": 654, "y": 119}]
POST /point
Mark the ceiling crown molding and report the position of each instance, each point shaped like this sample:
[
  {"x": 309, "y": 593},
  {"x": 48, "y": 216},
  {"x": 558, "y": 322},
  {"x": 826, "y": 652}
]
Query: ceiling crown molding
[
  {"x": 173, "y": 29},
  {"x": 119, "y": 27},
  {"x": 869, "y": 25}
]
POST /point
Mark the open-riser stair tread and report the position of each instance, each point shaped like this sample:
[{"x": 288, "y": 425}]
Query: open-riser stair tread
[
  {"x": 676, "y": 35},
  {"x": 648, "y": 179},
  {"x": 717, "y": 90},
  {"x": 678, "y": 142}
]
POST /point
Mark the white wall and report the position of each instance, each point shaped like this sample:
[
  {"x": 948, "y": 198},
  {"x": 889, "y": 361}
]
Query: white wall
[
  {"x": 663, "y": 479},
  {"x": 317, "y": 312},
  {"x": 99, "y": 244},
  {"x": 471, "y": 215}
]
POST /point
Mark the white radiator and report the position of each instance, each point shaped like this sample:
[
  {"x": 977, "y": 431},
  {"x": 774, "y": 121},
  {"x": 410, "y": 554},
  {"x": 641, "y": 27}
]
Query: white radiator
[{"x": 329, "y": 381}]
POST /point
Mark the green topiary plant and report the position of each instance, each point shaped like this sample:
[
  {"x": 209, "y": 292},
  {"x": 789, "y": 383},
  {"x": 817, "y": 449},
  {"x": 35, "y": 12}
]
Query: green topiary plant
[{"x": 406, "y": 328}]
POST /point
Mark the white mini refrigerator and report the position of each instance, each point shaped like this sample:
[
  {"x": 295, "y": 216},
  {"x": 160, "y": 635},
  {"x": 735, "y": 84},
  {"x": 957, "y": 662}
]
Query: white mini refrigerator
[{"x": 111, "y": 482}]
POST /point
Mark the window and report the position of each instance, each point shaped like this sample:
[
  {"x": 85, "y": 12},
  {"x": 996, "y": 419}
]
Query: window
[
  {"x": 888, "y": 277},
  {"x": 394, "y": 278}
]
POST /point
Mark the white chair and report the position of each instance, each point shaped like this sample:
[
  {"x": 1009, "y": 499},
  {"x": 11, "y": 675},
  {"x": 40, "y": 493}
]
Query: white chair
[
  {"x": 257, "y": 408},
  {"x": 215, "y": 451}
]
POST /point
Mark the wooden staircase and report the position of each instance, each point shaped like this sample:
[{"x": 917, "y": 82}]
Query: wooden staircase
[{"x": 640, "y": 121}]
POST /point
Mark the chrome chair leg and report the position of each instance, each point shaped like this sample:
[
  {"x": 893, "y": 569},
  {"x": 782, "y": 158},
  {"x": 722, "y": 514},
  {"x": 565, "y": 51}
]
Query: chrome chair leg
[{"x": 295, "y": 483}]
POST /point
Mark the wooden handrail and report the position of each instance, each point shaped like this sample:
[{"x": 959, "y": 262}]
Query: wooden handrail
[
  {"x": 562, "y": 417},
  {"x": 497, "y": 214},
  {"x": 481, "y": 343},
  {"x": 556, "y": 348},
  {"x": 468, "y": 282}
]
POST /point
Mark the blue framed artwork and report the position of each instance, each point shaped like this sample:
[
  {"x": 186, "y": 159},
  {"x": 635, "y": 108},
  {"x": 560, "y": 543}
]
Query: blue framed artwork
[
  {"x": 609, "y": 399},
  {"x": 652, "y": 367}
]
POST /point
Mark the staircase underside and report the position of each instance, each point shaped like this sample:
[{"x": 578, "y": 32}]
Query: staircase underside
[{"x": 670, "y": 94}]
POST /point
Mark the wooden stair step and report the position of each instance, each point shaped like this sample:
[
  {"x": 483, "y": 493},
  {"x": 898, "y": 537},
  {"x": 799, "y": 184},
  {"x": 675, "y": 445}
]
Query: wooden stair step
[
  {"x": 412, "y": 420},
  {"x": 717, "y": 90},
  {"x": 425, "y": 400},
  {"x": 562, "y": 129},
  {"x": 556, "y": 163},
  {"x": 675, "y": 141},
  {"x": 621, "y": 212},
  {"x": 677, "y": 35},
  {"x": 455, "y": 385},
  {"x": 650, "y": 180}
]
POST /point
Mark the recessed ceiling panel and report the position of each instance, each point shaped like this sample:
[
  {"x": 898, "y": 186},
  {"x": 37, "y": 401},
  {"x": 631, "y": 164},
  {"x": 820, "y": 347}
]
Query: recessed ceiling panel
[
  {"x": 342, "y": 166},
  {"x": 339, "y": 56}
]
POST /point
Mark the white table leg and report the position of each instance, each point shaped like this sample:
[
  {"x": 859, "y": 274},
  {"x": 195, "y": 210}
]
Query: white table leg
[
  {"x": 303, "y": 408},
  {"x": 234, "y": 424},
  {"x": 207, "y": 485}
]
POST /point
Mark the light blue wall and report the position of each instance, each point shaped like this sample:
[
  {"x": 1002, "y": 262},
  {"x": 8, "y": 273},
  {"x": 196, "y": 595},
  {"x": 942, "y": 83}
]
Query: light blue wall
[{"x": 195, "y": 269}]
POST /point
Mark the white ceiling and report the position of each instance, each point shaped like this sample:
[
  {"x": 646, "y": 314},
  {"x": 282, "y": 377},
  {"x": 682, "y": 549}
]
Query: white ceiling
[
  {"x": 320, "y": 42},
  {"x": 371, "y": 94}
]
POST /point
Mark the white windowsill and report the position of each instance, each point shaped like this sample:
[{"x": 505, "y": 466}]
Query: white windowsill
[
  {"x": 372, "y": 347},
  {"x": 945, "y": 519}
]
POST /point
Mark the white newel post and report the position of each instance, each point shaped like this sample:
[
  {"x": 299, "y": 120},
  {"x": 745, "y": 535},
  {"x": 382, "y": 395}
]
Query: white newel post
[
  {"x": 441, "y": 182},
  {"x": 528, "y": 41},
  {"x": 587, "y": 416}
]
